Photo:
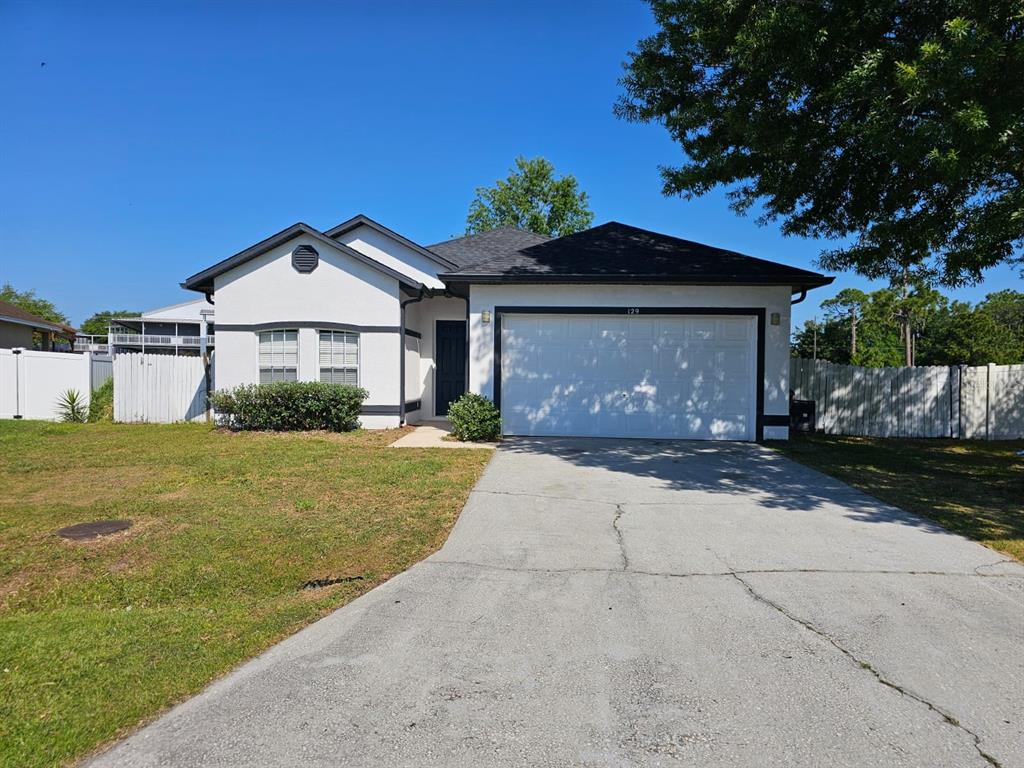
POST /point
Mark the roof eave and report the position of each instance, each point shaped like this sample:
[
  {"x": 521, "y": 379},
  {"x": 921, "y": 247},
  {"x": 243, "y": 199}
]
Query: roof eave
[
  {"x": 42, "y": 325},
  {"x": 795, "y": 282},
  {"x": 203, "y": 281}
]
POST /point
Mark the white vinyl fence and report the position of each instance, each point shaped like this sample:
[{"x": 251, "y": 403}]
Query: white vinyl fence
[
  {"x": 31, "y": 383},
  {"x": 973, "y": 402},
  {"x": 102, "y": 369},
  {"x": 158, "y": 388}
]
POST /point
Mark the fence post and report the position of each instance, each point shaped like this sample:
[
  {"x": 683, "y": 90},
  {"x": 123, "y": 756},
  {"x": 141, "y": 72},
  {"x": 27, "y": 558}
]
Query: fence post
[{"x": 988, "y": 400}]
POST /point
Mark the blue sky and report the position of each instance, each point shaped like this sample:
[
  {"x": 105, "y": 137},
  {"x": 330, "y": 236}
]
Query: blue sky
[{"x": 161, "y": 137}]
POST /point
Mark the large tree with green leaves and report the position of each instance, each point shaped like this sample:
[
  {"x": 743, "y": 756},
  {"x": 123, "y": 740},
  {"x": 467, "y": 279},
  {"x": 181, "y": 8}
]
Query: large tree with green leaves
[
  {"x": 941, "y": 332},
  {"x": 896, "y": 123},
  {"x": 531, "y": 198},
  {"x": 30, "y": 302}
]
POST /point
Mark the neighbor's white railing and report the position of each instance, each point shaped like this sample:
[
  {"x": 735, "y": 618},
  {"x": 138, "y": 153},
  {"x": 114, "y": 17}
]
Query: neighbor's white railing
[{"x": 154, "y": 340}]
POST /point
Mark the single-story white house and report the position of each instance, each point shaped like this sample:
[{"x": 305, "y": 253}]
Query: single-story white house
[{"x": 614, "y": 331}]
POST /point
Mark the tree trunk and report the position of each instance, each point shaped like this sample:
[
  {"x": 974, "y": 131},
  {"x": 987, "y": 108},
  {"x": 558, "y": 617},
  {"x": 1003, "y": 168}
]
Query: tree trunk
[
  {"x": 907, "y": 329},
  {"x": 853, "y": 335}
]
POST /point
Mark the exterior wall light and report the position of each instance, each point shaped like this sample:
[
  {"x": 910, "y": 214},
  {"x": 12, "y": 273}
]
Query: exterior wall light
[
  {"x": 485, "y": 316},
  {"x": 776, "y": 318}
]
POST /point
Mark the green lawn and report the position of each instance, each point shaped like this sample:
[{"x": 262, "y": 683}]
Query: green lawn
[
  {"x": 974, "y": 488},
  {"x": 98, "y": 636}
]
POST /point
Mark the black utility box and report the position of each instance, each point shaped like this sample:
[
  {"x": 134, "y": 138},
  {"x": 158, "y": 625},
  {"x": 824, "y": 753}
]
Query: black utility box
[{"x": 801, "y": 416}]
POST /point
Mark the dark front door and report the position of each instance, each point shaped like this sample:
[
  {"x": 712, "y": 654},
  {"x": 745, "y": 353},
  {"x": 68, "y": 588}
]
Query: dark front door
[{"x": 450, "y": 378}]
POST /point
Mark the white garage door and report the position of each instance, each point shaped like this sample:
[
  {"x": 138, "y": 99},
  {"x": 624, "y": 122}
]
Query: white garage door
[{"x": 677, "y": 376}]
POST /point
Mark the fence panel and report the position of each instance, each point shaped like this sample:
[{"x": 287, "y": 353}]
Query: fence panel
[
  {"x": 972, "y": 402},
  {"x": 158, "y": 388},
  {"x": 31, "y": 382},
  {"x": 1006, "y": 402},
  {"x": 102, "y": 370}
]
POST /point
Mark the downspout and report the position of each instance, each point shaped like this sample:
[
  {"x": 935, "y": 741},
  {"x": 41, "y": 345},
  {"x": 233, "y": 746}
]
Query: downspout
[
  {"x": 401, "y": 351},
  {"x": 803, "y": 295},
  {"x": 466, "y": 383},
  {"x": 208, "y": 294}
]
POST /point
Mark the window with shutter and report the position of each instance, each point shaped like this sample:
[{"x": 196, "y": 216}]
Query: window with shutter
[
  {"x": 339, "y": 357},
  {"x": 279, "y": 356}
]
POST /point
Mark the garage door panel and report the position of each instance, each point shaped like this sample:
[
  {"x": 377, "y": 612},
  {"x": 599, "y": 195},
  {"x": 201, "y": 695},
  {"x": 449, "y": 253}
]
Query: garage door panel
[{"x": 625, "y": 376}]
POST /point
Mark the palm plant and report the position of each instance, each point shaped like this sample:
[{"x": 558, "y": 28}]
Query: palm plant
[{"x": 72, "y": 406}]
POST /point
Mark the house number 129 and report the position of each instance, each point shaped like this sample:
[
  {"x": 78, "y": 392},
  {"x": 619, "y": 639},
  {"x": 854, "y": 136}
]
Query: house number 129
[{"x": 632, "y": 310}]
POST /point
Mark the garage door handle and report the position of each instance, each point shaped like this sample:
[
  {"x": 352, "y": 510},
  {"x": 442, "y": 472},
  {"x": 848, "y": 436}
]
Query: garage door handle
[{"x": 624, "y": 395}]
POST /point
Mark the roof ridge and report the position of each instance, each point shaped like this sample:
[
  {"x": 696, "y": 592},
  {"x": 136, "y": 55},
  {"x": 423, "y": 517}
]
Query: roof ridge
[{"x": 506, "y": 227}]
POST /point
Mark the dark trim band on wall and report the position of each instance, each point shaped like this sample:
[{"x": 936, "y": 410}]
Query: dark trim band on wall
[
  {"x": 412, "y": 405},
  {"x": 380, "y": 410},
  {"x": 286, "y": 325},
  {"x": 756, "y": 312},
  {"x": 414, "y": 334},
  {"x": 775, "y": 420}
]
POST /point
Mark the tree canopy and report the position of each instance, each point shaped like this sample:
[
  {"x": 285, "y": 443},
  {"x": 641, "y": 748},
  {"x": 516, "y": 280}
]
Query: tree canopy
[
  {"x": 897, "y": 124},
  {"x": 531, "y": 198},
  {"x": 943, "y": 332},
  {"x": 28, "y": 301},
  {"x": 99, "y": 323}
]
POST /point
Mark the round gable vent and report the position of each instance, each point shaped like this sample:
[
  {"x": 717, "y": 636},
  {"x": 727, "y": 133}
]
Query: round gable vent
[{"x": 305, "y": 258}]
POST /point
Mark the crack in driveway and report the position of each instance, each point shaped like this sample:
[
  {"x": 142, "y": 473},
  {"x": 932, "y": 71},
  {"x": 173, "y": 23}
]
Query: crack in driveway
[
  {"x": 948, "y": 718},
  {"x": 619, "y": 512},
  {"x": 435, "y": 560}
]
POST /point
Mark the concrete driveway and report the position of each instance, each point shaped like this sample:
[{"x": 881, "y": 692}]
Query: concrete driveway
[{"x": 614, "y": 603}]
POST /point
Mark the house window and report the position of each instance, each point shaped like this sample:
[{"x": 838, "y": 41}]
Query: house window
[
  {"x": 279, "y": 356},
  {"x": 339, "y": 357}
]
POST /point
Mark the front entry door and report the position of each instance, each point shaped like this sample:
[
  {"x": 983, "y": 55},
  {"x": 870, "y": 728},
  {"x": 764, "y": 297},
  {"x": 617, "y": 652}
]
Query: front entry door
[{"x": 450, "y": 377}]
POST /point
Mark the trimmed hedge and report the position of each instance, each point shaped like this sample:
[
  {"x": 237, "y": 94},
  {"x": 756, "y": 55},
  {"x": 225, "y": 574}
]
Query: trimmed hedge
[
  {"x": 474, "y": 417},
  {"x": 290, "y": 406}
]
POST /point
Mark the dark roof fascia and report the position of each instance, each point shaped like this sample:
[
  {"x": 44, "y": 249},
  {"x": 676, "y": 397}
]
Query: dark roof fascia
[
  {"x": 44, "y": 325},
  {"x": 203, "y": 281},
  {"x": 364, "y": 220},
  {"x": 796, "y": 284}
]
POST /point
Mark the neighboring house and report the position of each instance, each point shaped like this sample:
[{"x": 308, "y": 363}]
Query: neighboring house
[
  {"x": 19, "y": 328},
  {"x": 614, "y": 331},
  {"x": 175, "y": 330}
]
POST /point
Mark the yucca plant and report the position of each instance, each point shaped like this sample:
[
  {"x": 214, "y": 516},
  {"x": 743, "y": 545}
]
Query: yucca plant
[{"x": 72, "y": 406}]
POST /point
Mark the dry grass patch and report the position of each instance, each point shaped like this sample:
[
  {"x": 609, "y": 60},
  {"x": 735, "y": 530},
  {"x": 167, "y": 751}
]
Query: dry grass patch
[{"x": 100, "y": 635}]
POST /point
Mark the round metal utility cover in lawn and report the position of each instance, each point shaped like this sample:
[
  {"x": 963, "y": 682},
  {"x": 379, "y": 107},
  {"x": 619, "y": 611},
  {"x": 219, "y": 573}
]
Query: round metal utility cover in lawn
[{"x": 96, "y": 528}]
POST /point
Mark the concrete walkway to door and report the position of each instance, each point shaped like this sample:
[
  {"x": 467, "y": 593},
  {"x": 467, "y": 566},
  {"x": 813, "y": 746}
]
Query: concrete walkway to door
[{"x": 622, "y": 603}]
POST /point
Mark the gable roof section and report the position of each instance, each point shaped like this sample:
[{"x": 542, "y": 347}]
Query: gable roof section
[
  {"x": 475, "y": 249},
  {"x": 616, "y": 253},
  {"x": 12, "y": 313},
  {"x": 203, "y": 281},
  {"x": 361, "y": 220}
]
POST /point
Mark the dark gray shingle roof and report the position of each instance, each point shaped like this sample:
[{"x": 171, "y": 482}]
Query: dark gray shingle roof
[
  {"x": 615, "y": 252},
  {"x": 497, "y": 243}
]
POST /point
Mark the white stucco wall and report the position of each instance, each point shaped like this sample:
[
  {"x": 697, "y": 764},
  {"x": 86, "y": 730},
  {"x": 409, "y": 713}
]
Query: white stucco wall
[
  {"x": 772, "y": 299},
  {"x": 268, "y": 290},
  {"x": 394, "y": 254}
]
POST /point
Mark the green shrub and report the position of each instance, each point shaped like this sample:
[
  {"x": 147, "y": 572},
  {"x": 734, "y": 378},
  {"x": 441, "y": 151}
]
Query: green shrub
[
  {"x": 71, "y": 406},
  {"x": 474, "y": 417},
  {"x": 101, "y": 404},
  {"x": 290, "y": 405}
]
